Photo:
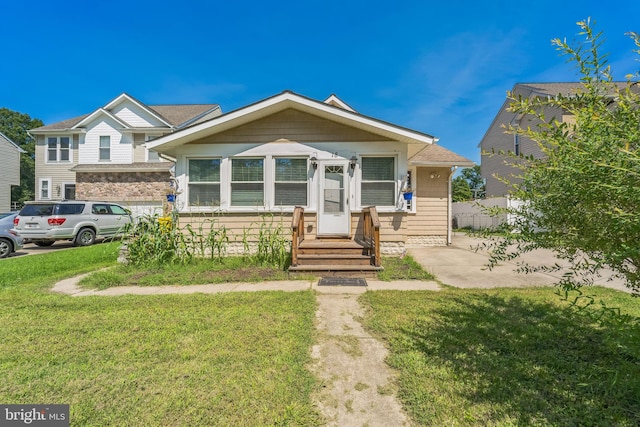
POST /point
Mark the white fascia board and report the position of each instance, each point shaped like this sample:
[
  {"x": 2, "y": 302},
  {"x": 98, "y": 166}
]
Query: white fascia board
[
  {"x": 97, "y": 113},
  {"x": 281, "y": 102},
  {"x": 131, "y": 99},
  {"x": 442, "y": 164}
]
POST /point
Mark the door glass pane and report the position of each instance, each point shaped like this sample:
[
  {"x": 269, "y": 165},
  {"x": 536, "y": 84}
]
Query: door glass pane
[
  {"x": 334, "y": 189},
  {"x": 70, "y": 191}
]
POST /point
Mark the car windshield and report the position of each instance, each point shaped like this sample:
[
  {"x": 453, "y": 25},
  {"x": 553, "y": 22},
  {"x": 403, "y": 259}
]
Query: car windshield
[{"x": 37, "y": 210}]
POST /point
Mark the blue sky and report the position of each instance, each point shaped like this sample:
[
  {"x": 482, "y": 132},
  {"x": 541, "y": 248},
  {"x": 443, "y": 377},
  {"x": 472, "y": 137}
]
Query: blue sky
[{"x": 441, "y": 68}]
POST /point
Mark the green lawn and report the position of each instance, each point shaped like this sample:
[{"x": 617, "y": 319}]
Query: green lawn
[
  {"x": 230, "y": 359},
  {"x": 466, "y": 357},
  {"x": 508, "y": 357}
]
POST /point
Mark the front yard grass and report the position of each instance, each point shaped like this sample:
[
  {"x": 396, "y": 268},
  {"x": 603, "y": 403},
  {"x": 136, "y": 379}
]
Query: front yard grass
[
  {"x": 509, "y": 357},
  {"x": 226, "y": 359}
]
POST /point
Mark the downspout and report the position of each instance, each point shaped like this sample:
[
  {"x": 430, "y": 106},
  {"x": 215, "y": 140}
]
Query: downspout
[{"x": 449, "y": 205}]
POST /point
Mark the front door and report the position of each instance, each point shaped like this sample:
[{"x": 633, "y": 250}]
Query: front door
[{"x": 334, "y": 218}]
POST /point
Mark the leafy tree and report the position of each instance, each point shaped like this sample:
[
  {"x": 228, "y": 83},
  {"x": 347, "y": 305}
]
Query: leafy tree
[
  {"x": 475, "y": 180},
  {"x": 460, "y": 190},
  {"x": 15, "y": 126},
  {"x": 581, "y": 199}
]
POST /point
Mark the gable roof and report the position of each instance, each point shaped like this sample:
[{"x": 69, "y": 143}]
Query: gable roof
[
  {"x": 280, "y": 102},
  {"x": 4, "y": 137},
  {"x": 532, "y": 90},
  {"x": 436, "y": 155},
  {"x": 172, "y": 115}
]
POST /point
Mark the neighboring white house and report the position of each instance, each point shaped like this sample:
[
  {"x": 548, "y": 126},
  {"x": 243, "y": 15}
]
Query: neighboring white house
[
  {"x": 9, "y": 170},
  {"x": 103, "y": 155}
]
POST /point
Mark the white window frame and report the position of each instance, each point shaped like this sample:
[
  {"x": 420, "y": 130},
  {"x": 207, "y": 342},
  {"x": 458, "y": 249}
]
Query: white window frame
[
  {"x": 100, "y": 148},
  {"x": 41, "y": 188},
  {"x": 393, "y": 180},
  {"x": 232, "y": 182},
  {"x": 59, "y": 149},
  {"x": 274, "y": 180},
  {"x": 190, "y": 183}
]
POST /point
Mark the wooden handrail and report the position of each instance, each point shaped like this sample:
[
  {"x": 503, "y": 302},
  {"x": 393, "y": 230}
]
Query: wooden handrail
[
  {"x": 371, "y": 232},
  {"x": 297, "y": 226}
]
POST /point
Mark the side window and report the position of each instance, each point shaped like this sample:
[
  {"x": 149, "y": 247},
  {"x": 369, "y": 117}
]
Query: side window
[
  {"x": 69, "y": 209},
  {"x": 100, "y": 209},
  {"x": 105, "y": 148},
  {"x": 118, "y": 210}
]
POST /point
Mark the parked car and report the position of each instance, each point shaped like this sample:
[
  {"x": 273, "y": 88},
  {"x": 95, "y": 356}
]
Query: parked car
[
  {"x": 10, "y": 241},
  {"x": 79, "y": 221}
]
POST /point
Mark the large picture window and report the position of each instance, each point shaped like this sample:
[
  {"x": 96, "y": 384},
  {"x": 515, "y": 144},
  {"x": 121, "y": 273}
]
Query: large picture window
[
  {"x": 58, "y": 149},
  {"x": 378, "y": 181},
  {"x": 247, "y": 182},
  {"x": 204, "y": 182},
  {"x": 291, "y": 184}
]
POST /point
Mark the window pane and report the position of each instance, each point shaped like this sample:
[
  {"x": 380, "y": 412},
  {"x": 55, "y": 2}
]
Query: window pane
[
  {"x": 378, "y": 168},
  {"x": 105, "y": 148},
  {"x": 44, "y": 189},
  {"x": 247, "y": 194},
  {"x": 64, "y": 142},
  {"x": 70, "y": 191},
  {"x": 204, "y": 170},
  {"x": 378, "y": 194},
  {"x": 291, "y": 194},
  {"x": 52, "y": 149},
  {"x": 247, "y": 170},
  {"x": 117, "y": 210},
  {"x": 291, "y": 169},
  {"x": 204, "y": 194}
]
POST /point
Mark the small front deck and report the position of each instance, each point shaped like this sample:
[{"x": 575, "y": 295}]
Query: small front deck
[{"x": 336, "y": 257}]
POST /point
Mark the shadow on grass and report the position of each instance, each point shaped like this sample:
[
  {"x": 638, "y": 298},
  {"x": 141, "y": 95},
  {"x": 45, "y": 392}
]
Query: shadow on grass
[{"x": 500, "y": 358}]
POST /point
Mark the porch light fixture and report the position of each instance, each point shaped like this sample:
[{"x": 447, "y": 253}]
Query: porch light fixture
[
  {"x": 353, "y": 162},
  {"x": 314, "y": 162},
  {"x": 434, "y": 175}
]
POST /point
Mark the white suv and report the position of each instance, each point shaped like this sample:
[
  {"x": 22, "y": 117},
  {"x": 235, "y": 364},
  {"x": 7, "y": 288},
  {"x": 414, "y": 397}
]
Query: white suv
[{"x": 79, "y": 221}]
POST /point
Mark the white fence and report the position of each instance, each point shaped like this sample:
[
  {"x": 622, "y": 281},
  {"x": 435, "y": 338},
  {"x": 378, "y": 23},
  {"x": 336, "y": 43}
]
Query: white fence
[{"x": 471, "y": 215}]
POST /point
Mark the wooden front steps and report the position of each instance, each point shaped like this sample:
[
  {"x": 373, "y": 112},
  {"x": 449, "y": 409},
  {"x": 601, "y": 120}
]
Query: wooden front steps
[{"x": 334, "y": 257}]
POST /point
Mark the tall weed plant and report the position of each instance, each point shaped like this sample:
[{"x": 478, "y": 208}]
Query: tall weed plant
[{"x": 155, "y": 240}]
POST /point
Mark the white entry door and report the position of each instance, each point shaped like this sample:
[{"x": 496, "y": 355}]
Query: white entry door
[{"x": 334, "y": 218}]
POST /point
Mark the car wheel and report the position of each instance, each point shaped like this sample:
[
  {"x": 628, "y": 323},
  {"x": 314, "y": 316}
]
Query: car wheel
[
  {"x": 44, "y": 243},
  {"x": 86, "y": 237},
  {"x": 6, "y": 247}
]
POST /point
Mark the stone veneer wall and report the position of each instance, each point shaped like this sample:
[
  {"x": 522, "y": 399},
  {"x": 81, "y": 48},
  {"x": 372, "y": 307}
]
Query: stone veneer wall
[{"x": 121, "y": 186}]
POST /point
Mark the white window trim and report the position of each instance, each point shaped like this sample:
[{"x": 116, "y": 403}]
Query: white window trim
[
  {"x": 185, "y": 192},
  {"x": 267, "y": 197},
  {"x": 398, "y": 182},
  {"x": 271, "y": 201},
  {"x": 58, "y": 149},
  {"x": 49, "y": 187},
  {"x": 100, "y": 148},
  {"x": 64, "y": 188}
]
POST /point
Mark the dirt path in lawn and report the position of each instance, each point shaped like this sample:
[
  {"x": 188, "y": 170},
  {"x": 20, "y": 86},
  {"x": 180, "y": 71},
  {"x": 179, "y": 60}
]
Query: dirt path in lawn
[{"x": 357, "y": 385}]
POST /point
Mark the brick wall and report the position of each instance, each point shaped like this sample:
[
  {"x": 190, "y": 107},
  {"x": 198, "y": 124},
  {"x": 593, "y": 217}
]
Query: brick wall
[{"x": 121, "y": 186}]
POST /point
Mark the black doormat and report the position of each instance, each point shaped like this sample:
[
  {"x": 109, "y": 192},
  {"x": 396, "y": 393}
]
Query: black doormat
[{"x": 341, "y": 281}]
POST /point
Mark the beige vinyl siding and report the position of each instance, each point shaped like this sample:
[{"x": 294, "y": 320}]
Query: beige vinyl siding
[
  {"x": 59, "y": 173},
  {"x": 393, "y": 226},
  {"x": 294, "y": 126},
  {"x": 431, "y": 201},
  {"x": 237, "y": 223},
  {"x": 9, "y": 172}
]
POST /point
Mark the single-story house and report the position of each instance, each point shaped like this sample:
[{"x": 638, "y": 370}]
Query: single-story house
[{"x": 289, "y": 153}]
